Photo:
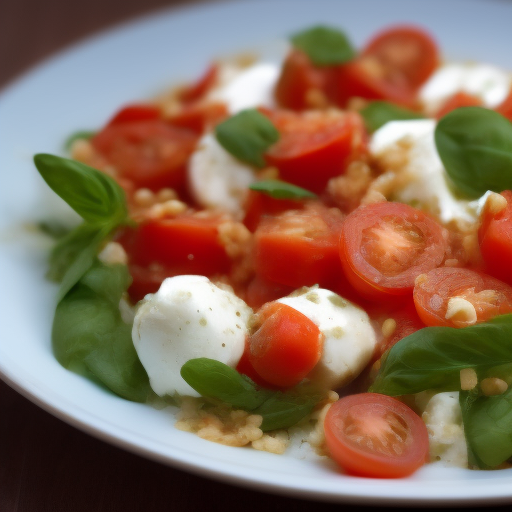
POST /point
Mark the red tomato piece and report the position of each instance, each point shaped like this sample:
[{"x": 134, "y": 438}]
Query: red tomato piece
[
  {"x": 299, "y": 247},
  {"x": 135, "y": 112},
  {"x": 198, "y": 117},
  {"x": 285, "y": 346},
  {"x": 385, "y": 246},
  {"x": 315, "y": 147},
  {"x": 407, "y": 322},
  {"x": 391, "y": 67},
  {"x": 505, "y": 108},
  {"x": 260, "y": 291},
  {"x": 495, "y": 237},
  {"x": 298, "y": 77},
  {"x": 197, "y": 90},
  {"x": 376, "y": 436},
  {"x": 151, "y": 153},
  {"x": 488, "y": 296},
  {"x": 460, "y": 99},
  {"x": 245, "y": 367}
]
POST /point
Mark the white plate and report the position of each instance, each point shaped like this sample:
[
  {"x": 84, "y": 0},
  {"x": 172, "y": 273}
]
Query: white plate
[{"x": 80, "y": 89}]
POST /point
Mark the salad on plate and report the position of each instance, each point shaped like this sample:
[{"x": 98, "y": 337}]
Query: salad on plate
[{"x": 313, "y": 254}]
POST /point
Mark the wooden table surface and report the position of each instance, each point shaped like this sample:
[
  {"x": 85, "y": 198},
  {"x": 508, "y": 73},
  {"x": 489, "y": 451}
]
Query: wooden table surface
[{"x": 46, "y": 465}]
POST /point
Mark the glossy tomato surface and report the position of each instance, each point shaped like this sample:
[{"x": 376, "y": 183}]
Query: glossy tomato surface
[
  {"x": 488, "y": 296},
  {"x": 374, "y": 435},
  {"x": 385, "y": 246}
]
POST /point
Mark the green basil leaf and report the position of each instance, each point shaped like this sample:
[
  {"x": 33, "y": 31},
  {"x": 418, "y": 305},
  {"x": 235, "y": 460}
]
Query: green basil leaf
[
  {"x": 90, "y": 337},
  {"x": 83, "y": 134},
  {"x": 325, "y": 46},
  {"x": 281, "y": 190},
  {"x": 475, "y": 146},
  {"x": 378, "y": 113},
  {"x": 91, "y": 193},
  {"x": 53, "y": 229},
  {"x": 213, "y": 379},
  {"x": 432, "y": 358},
  {"x": 247, "y": 135},
  {"x": 488, "y": 427},
  {"x": 283, "y": 410}
]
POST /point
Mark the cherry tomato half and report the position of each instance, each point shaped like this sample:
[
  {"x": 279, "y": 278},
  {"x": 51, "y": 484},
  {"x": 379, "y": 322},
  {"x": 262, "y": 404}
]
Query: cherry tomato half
[
  {"x": 374, "y": 435},
  {"x": 488, "y": 296},
  {"x": 314, "y": 147},
  {"x": 385, "y": 246},
  {"x": 495, "y": 237},
  {"x": 286, "y": 345}
]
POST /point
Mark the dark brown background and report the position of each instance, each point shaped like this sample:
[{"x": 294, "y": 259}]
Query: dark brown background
[{"x": 46, "y": 465}]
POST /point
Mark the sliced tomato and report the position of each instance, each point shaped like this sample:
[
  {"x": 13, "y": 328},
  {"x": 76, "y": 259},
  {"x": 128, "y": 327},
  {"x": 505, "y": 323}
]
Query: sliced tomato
[
  {"x": 392, "y": 67},
  {"x": 150, "y": 153},
  {"x": 285, "y": 346},
  {"x": 135, "y": 112},
  {"x": 298, "y": 77},
  {"x": 198, "y": 117},
  {"x": 315, "y": 146},
  {"x": 375, "y": 436},
  {"x": 385, "y": 246},
  {"x": 495, "y": 237},
  {"x": 505, "y": 108},
  {"x": 260, "y": 291},
  {"x": 458, "y": 100},
  {"x": 187, "y": 244},
  {"x": 197, "y": 90},
  {"x": 258, "y": 205},
  {"x": 487, "y": 295},
  {"x": 299, "y": 247},
  {"x": 245, "y": 367}
]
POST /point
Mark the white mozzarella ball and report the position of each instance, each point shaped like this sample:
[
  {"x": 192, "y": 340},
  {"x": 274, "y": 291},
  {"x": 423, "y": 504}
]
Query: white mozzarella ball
[
  {"x": 426, "y": 185},
  {"x": 216, "y": 179},
  {"x": 486, "y": 82},
  {"x": 189, "y": 317},
  {"x": 349, "y": 338},
  {"x": 249, "y": 88},
  {"x": 443, "y": 418}
]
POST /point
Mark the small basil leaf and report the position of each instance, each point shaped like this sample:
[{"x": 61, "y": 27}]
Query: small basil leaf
[
  {"x": 432, "y": 358},
  {"x": 378, "y": 113},
  {"x": 247, "y": 135},
  {"x": 90, "y": 337},
  {"x": 284, "y": 410},
  {"x": 91, "y": 193},
  {"x": 281, "y": 190},
  {"x": 83, "y": 134},
  {"x": 475, "y": 146},
  {"x": 488, "y": 427},
  {"x": 325, "y": 46},
  {"x": 213, "y": 379}
]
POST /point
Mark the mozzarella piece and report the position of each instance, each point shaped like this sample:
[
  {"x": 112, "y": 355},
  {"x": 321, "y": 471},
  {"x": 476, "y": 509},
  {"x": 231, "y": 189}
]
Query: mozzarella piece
[
  {"x": 349, "y": 337},
  {"x": 216, "y": 179},
  {"x": 188, "y": 317},
  {"x": 443, "y": 418},
  {"x": 484, "y": 81},
  {"x": 426, "y": 183},
  {"x": 250, "y": 88}
]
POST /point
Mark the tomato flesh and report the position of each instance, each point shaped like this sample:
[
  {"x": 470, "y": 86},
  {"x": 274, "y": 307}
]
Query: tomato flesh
[
  {"x": 374, "y": 435},
  {"x": 458, "y": 100},
  {"x": 488, "y": 296},
  {"x": 385, "y": 246},
  {"x": 285, "y": 347}
]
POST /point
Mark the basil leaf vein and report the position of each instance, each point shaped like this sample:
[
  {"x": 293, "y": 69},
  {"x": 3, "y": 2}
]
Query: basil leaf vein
[
  {"x": 247, "y": 135},
  {"x": 325, "y": 46},
  {"x": 475, "y": 146},
  {"x": 281, "y": 190}
]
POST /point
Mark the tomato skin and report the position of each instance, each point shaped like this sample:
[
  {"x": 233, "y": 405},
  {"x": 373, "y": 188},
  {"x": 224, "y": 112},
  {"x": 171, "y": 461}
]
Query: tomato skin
[
  {"x": 356, "y": 424},
  {"x": 260, "y": 291},
  {"x": 385, "y": 246},
  {"x": 135, "y": 112},
  {"x": 195, "y": 91},
  {"x": 245, "y": 367},
  {"x": 495, "y": 238},
  {"x": 392, "y": 67},
  {"x": 299, "y": 248},
  {"x": 458, "y": 100},
  {"x": 198, "y": 117},
  {"x": 316, "y": 147},
  {"x": 298, "y": 77},
  {"x": 150, "y": 153},
  {"x": 285, "y": 347},
  {"x": 433, "y": 291}
]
